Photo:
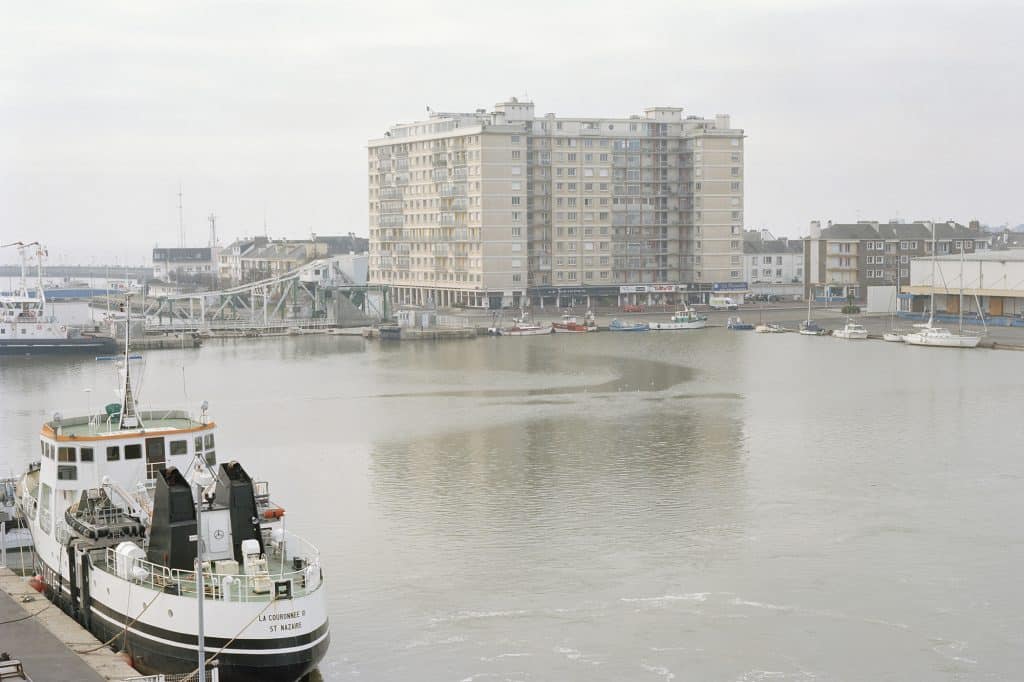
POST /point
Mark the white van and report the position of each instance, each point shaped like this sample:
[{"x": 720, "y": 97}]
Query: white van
[{"x": 722, "y": 303}]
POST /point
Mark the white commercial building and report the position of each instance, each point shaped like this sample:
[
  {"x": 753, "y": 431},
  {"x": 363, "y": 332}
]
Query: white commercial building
[{"x": 989, "y": 281}]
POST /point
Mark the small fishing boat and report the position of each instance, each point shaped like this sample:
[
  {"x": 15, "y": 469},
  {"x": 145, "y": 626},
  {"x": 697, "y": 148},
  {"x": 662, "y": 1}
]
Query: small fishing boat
[
  {"x": 683, "y": 319},
  {"x": 571, "y": 325},
  {"x": 620, "y": 326},
  {"x": 851, "y": 331},
  {"x": 737, "y": 324},
  {"x": 893, "y": 336},
  {"x": 523, "y": 327},
  {"x": 768, "y": 328}
]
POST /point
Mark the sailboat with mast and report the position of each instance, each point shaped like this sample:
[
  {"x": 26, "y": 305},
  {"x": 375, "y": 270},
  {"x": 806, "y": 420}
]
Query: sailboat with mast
[
  {"x": 894, "y": 334},
  {"x": 141, "y": 530},
  {"x": 939, "y": 337},
  {"x": 809, "y": 327}
]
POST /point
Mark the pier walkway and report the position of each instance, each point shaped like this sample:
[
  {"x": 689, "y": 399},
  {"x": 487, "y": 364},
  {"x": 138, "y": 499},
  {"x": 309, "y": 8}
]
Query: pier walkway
[{"x": 46, "y": 643}]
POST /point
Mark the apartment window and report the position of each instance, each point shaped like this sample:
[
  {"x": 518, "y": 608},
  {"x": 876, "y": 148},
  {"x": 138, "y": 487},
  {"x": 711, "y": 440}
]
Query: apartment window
[
  {"x": 767, "y": 260},
  {"x": 515, "y": 233},
  {"x": 516, "y": 277},
  {"x": 735, "y": 274},
  {"x": 572, "y": 156},
  {"x": 904, "y": 272},
  {"x": 515, "y": 201},
  {"x": 572, "y": 275},
  {"x": 734, "y": 171},
  {"x": 913, "y": 246},
  {"x": 515, "y": 153},
  {"x": 904, "y": 260},
  {"x": 516, "y": 215},
  {"x": 515, "y": 139},
  {"x": 879, "y": 246},
  {"x": 871, "y": 246}
]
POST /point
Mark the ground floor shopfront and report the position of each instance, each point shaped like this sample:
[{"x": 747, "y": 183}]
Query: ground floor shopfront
[{"x": 567, "y": 297}]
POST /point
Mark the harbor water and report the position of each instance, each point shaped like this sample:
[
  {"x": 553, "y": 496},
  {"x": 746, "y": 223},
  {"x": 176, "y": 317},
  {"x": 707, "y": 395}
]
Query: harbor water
[{"x": 697, "y": 505}]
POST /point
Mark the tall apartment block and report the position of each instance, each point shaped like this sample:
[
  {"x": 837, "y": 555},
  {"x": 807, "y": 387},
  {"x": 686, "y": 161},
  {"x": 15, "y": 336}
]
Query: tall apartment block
[{"x": 504, "y": 208}]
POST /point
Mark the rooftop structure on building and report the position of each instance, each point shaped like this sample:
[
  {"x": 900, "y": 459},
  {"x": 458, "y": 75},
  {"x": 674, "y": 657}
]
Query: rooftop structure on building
[{"x": 499, "y": 208}]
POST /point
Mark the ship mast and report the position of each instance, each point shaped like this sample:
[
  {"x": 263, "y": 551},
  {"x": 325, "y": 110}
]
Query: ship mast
[{"x": 129, "y": 416}]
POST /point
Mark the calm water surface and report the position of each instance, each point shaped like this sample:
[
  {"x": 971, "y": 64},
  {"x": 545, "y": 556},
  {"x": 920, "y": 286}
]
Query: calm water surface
[{"x": 692, "y": 505}]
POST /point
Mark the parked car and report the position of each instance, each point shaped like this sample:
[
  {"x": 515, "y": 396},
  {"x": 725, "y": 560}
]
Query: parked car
[{"x": 632, "y": 308}]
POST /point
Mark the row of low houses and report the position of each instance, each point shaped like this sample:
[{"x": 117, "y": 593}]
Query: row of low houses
[{"x": 249, "y": 259}]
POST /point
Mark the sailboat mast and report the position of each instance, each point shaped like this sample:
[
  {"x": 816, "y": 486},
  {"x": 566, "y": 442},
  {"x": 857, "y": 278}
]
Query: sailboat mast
[
  {"x": 961, "y": 307},
  {"x": 931, "y": 301}
]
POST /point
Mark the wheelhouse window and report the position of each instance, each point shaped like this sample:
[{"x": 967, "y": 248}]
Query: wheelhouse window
[
  {"x": 113, "y": 453},
  {"x": 67, "y": 472},
  {"x": 85, "y": 455},
  {"x": 67, "y": 455},
  {"x": 199, "y": 443},
  {"x": 133, "y": 451},
  {"x": 209, "y": 441},
  {"x": 211, "y": 458},
  {"x": 179, "y": 447}
]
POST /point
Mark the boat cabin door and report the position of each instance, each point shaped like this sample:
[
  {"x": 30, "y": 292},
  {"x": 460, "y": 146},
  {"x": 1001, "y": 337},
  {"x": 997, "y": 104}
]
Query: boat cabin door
[{"x": 155, "y": 457}]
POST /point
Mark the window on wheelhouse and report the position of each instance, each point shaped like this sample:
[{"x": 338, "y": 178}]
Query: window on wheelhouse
[
  {"x": 155, "y": 457},
  {"x": 133, "y": 451},
  {"x": 85, "y": 455},
  {"x": 67, "y": 472},
  {"x": 179, "y": 447},
  {"x": 113, "y": 453},
  {"x": 67, "y": 455}
]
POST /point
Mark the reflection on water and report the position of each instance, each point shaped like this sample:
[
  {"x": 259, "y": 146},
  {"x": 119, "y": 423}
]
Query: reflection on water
[{"x": 614, "y": 507}]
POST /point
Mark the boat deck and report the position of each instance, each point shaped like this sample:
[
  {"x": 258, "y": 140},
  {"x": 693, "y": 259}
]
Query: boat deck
[{"x": 168, "y": 420}]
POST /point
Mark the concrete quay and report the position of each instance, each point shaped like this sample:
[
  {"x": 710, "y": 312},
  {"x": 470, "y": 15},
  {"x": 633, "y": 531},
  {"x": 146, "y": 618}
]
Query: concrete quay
[{"x": 47, "y": 641}]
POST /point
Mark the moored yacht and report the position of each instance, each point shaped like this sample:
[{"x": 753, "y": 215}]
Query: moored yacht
[
  {"x": 112, "y": 508},
  {"x": 851, "y": 331}
]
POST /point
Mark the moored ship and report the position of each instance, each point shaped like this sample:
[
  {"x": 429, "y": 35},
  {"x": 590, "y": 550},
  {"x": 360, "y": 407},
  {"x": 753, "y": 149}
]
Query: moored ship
[
  {"x": 112, "y": 508},
  {"x": 26, "y": 328}
]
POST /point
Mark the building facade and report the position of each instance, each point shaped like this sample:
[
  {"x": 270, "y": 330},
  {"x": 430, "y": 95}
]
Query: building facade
[
  {"x": 773, "y": 265},
  {"x": 197, "y": 265},
  {"x": 504, "y": 208},
  {"x": 987, "y": 282},
  {"x": 253, "y": 258},
  {"x": 843, "y": 260}
]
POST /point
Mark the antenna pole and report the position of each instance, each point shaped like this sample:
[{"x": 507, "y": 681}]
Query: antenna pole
[
  {"x": 213, "y": 229},
  {"x": 200, "y": 589},
  {"x": 181, "y": 221}
]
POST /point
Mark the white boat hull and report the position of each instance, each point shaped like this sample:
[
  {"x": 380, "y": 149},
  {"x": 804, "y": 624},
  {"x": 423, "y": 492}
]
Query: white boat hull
[
  {"x": 526, "y": 332},
  {"x": 952, "y": 341},
  {"x": 850, "y": 336},
  {"x": 893, "y": 337},
  {"x": 674, "y": 326}
]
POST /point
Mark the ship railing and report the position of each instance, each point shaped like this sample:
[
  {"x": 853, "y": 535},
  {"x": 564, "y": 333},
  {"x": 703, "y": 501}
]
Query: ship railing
[{"x": 292, "y": 570}]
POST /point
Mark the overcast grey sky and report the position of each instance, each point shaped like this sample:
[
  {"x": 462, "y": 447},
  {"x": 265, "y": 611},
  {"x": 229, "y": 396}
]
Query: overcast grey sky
[{"x": 853, "y": 110}]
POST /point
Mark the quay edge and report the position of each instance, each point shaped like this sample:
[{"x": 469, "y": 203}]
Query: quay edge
[{"x": 67, "y": 634}]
